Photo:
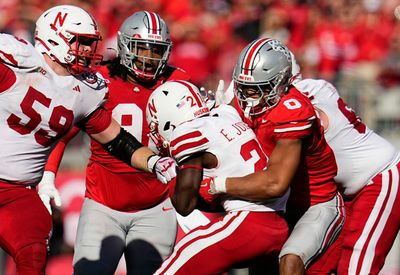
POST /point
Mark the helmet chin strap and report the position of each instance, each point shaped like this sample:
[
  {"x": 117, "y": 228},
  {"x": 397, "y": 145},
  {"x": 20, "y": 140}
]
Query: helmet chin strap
[{"x": 251, "y": 103}]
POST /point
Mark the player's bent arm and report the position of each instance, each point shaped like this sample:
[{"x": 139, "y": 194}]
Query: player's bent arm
[
  {"x": 275, "y": 180},
  {"x": 188, "y": 179},
  {"x": 124, "y": 146}
]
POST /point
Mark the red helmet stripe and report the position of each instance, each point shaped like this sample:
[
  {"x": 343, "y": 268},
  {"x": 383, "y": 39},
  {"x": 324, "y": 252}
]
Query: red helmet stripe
[
  {"x": 154, "y": 22},
  {"x": 250, "y": 55},
  {"x": 190, "y": 88}
]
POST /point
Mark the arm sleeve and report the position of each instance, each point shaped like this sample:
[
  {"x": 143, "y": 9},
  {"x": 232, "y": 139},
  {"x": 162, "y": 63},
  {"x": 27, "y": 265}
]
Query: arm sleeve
[
  {"x": 54, "y": 160},
  {"x": 7, "y": 77},
  {"x": 96, "y": 122}
]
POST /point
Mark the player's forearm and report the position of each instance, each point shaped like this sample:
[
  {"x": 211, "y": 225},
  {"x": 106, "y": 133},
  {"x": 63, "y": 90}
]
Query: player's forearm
[
  {"x": 124, "y": 146},
  {"x": 188, "y": 180},
  {"x": 140, "y": 158},
  {"x": 256, "y": 186}
]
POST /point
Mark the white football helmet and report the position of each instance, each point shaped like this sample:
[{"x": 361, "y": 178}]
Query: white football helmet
[
  {"x": 170, "y": 105},
  {"x": 144, "y": 30},
  {"x": 59, "y": 27},
  {"x": 261, "y": 75}
]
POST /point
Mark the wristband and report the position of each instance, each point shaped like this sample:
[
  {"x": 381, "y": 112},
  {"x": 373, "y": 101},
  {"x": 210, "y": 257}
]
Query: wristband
[
  {"x": 219, "y": 185},
  {"x": 151, "y": 162}
]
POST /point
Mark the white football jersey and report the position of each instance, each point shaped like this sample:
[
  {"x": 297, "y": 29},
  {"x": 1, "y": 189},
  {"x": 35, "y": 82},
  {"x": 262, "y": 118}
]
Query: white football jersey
[
  {"x": 233, "y": 143},
  {"x": 360, "y": 153},
  {"x": 38, "y": 108}
]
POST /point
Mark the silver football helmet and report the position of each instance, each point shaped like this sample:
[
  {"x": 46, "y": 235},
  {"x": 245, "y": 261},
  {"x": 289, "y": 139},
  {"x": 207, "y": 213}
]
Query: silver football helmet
[
  {"x": 144, "y": 44},
  {"x": 261, "y": 75},
  {"x": 59, "y": 27},
  {"x": 170, "y": 105}
]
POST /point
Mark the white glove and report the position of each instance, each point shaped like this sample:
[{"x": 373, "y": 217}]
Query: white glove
[
  {"x": 47, "y": 191},
  {"x": 220, "y": 94},
  {"x": 163, "y": 167}
]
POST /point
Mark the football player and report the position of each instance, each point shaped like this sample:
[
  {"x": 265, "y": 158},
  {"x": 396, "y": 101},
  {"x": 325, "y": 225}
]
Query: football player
[
  {"x": 131, "y": 206},
  {"x": 368, "y": 176},
  {"x": 44, "y": 90},
  {"x": 290, "y": 133},
  {"x": 206, "y": 144}
]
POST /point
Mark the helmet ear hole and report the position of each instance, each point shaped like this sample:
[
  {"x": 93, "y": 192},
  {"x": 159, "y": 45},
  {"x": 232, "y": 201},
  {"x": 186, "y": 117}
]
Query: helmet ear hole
[{"x": 167, "y": 125}]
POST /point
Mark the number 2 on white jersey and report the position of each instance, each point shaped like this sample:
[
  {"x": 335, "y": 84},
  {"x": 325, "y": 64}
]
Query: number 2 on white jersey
[{"x": 251, "y": 150}]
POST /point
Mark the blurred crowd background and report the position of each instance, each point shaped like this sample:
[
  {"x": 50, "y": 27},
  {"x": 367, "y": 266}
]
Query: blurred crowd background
[{"x": 355, "y": 44}]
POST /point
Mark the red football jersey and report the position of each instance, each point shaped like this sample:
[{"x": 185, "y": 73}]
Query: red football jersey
[
  {"x": 110, "y": 181},
  {"x": 294, "y": 118}
]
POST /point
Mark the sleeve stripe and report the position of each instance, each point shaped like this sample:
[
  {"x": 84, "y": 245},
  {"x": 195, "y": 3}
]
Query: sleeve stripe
[
  {"x": 194, "y": 134},
  {"x": 292, "y": 129},
  {"x": 311, "y": 118},
  {"x": 188, "y": 145}
]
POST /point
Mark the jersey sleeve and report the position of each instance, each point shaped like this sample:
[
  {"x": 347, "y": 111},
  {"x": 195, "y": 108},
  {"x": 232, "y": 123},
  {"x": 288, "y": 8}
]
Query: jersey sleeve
[
  {"x": 7, "y": 78},
  {"x": 97, "y": 122},
  {"x": 293, "y": 117},
  {"x": 188, "y": 139}
]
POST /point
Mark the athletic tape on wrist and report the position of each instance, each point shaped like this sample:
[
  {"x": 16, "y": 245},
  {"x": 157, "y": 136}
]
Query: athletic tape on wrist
[
  {"x": 151, "y": 162},
  {"x": 220, "y": 185}
]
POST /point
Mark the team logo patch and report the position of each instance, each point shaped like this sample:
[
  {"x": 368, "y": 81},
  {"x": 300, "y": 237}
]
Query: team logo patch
[{"x": 90, "y": 77}]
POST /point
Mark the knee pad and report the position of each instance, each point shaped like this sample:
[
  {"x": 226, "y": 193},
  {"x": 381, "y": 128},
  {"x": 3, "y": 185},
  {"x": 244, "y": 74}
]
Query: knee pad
[{"x": 31, "y": 259}]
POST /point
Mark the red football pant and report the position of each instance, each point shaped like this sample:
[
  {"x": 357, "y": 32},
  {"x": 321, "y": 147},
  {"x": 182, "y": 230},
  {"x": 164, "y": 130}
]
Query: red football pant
[
  {"x": 233, "y": 240},
  {"x": 24, "y": 228},
  {"x": 372, "y": 224}
]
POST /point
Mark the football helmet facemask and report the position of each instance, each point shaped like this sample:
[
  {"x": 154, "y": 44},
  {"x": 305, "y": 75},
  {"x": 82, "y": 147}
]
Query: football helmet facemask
[
  {"x": 144, "y": 44},
  {"x": 69, "y": 36},
  {"x": 261, "y": 75}
]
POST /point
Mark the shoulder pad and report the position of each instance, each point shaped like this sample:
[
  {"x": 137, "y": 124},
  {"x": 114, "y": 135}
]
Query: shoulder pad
[
  {"x": 94, "y": 80},
  {"x": 18, "y": 53},
  {"x": 188, "y": 139},
  {"x": 293, "y": 107},
  {"x": 311, "y": 87}
]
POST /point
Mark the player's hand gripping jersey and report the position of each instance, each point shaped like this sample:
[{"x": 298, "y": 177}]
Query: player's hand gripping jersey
[
  {"x": 40, "y": 113},
  {"x": 226, "y": 136}
]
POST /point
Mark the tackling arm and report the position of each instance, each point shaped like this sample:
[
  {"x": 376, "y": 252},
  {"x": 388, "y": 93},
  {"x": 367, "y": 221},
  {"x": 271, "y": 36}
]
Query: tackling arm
[
  {"x": 270, "y": 183},
  {"x": 124, "y": 146}
]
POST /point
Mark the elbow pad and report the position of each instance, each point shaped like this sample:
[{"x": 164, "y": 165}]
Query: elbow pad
[{"x": 123, "y": 146}]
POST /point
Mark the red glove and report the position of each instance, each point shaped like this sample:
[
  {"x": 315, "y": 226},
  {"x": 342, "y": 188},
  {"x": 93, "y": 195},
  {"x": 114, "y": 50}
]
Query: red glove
[{"x": 206, "y": 194}]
